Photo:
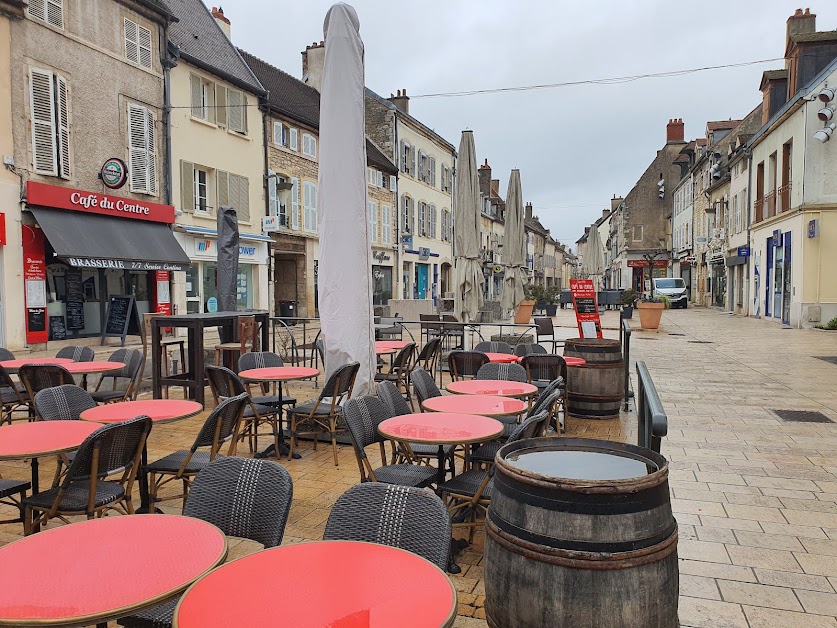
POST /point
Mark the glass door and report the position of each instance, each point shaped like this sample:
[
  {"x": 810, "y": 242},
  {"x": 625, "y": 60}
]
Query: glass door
[
  {"x": 786, "y": 286},
  {"x": 193, "y": 285},
  {"x": 778, "y": 280}
]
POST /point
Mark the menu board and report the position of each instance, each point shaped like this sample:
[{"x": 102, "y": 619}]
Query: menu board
[
  {"x": 74, "y": 299},
  {"x": 121, "y": 314},
  {"x": 36, "y": 319},
  {"x": 586, "y": 308},
  {"x": 57, "y": 331}
]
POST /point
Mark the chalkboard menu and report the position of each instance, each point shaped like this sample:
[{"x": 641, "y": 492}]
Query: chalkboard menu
[
  {"x": 36, "y": 319},
  {"x": 585, "y": 305},
  {"x": 122, "y": 314},
  {"x": 74, "y": 299},
  {"x": 57, "y": 331}
]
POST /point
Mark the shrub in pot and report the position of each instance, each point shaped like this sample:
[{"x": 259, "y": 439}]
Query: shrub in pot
[
  {"x": 628, "y": 298},
  {"x": 553, "y": 298}
]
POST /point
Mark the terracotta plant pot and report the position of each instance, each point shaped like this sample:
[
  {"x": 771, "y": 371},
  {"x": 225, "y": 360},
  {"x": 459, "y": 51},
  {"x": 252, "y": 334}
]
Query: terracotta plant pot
[
  {"x": 524, "y": 312},
  {"x": 650, "y": 314}
]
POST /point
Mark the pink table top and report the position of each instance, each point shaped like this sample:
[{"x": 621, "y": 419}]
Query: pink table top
[
  {"x": 499, "y": 387},
  {"x": 334, "y": 584},
  {"x": 394, "y": 344},
  {"x": 502, "y": 357},
  {"x": 385, "y": 350},
  {"x": 571, "y": 361},
  {"x": 110, "y": 567},
  {"x": 439, "y": 428},
  {"x": 83, "y": 368},
  {"x": 279, "y": 373},
  {"x": 41, "y": 438},
  {"x": 486, "y": 405},
  {"x": 17, "y": 363},
  {"x": 160, "y": 410}
]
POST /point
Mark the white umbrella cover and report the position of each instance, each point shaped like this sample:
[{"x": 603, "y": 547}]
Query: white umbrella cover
[
  {"x": 513, "y": 246},
  {"x": 468, "y": 298},
  {"x": 345, "y": 265}
]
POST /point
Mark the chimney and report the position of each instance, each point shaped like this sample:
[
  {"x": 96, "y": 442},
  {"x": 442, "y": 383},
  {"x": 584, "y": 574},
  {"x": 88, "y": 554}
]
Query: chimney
[
  {"x": 223, "y": 21},
  {"x": 586, "y": 231},
  {"x": 313, "y": 60},
  {"x": 675, "y": 130},
  {"x": 401, "y": 100},
  {"x": 606, "y": 213},
  {"x": 528, "y": 211},
  {"x": 800, "y": 23},
  {"x": 484, "y": 173},
  {"x": 615, "y": 202}
]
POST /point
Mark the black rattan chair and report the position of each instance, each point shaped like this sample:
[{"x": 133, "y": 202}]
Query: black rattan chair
[
  {"x": 5, "y": 354},
  {"x": 507, "y": 371},
  {"x": 37, "y": 377},
  {"x": 528, "y": 349},
  {"x": 76, "y": 354},
  {"x": 260, "y": 360},
  {"x": 363, "y": 415},
  {"x": 219, "y": 428},
  {"x": 545, "y": 332},
  {"x": 429, "y": 355},
  {"x": 85, "y": 490},
  {"x": 399, "y": 373},
  {"x": 12, "y": 493},
  {"x": 63, "y": 403},
  {"x": 494, "y": 347},
  {"x": 484, "y": 454},
  {"x": 543, "y": 369},
  {"x": 245, "y": 498},
  {"x": 134, "y": 362},
  {"x": 409, "y": 518},
  {"x": 14, "y": 397},
  {"x": 424, "y": 385},
  {"x": 465, "y": 364},
  {"x": 323, "y": 414}
]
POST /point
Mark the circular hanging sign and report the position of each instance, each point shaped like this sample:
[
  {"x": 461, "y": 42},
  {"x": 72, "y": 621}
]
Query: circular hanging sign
[{"x": 114, "y": 173}]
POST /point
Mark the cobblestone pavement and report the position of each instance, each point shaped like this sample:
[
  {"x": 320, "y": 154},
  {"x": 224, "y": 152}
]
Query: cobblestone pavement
[{"x": 755, "y": 496}]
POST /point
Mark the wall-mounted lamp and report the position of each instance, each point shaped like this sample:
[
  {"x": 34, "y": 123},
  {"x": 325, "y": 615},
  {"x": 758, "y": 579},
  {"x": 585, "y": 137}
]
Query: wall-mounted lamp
[{"x": 824, "y": 134}]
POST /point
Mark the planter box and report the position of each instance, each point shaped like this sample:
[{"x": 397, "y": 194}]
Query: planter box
[
  {"x": 650, "y": 314},
  {"x": 552, "y": 309},
  {"x": 524, "y": 312}
]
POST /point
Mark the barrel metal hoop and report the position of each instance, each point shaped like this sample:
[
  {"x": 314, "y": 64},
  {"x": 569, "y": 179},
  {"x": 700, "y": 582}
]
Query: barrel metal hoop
[
  {"x": 580, "y": 560},
  {"x": 611, "y": 503}
]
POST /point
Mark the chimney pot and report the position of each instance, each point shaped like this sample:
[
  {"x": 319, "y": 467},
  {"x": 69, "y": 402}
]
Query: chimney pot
[{"x": 222, "y": 20}]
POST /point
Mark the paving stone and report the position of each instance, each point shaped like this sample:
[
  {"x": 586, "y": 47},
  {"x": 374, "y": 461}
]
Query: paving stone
[
  {"x": 759, "y": 595},
  {"x": 817, "y": 564},
  {"x": 701, "y": 613},
  {"x": 699, "y": 550},
  {"x": 699, "y": 586},
  {"x": 818, "y": 603},
  {"x": 695, "y": 507},
  {"x": 768, "y": 541},
  {"x": 794, "y": 580},
  {"x": 764, "y": 558},
  {"x": 714, "y": 535},
  {"x": 732, "y": 524},
  {"x": 716, "y": 570},
  {"x": 771, "y": 618}
]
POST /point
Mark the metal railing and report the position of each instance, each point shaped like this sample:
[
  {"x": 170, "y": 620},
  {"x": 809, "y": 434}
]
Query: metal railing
[
  {"x": 625, "y": 343},
  {"x": 651, "y": 417}
]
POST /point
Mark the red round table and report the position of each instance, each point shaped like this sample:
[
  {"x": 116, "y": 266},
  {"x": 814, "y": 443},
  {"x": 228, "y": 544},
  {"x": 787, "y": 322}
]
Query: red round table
[
  {"x": 394, "y": 344},
  {"x": 501, "y": 387},
  {"x": 502, "y": 357},
  {"x": 86, "y": 368},
  {"x": 23, "y": 441},
  {"x": 335, "y": 584},
  {"x": 571, "y": 361},
  {"x": 109, "y": 568},
  {"x": 484, "y": 405},
  {"x": 383, "y": 347},
  {"x": 17, "y": 363}
]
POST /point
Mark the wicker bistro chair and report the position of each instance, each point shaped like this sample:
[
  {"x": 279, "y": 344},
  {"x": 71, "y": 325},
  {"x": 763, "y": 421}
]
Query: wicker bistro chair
[
  {"x": 37, "y": 377},
  {"x": 411, "y": 519},
  {"x": 469, "y": 494},
  {"x": 220, "y": 427},
  {"x": 424, "y": 385},
  {"x": 134, "y": 362},
  {"x": 429, "y": 355},
  {"x": 14, "y": 397},
  {"x": 12, "y": 493},
  {"x": 363, "y": 415},
  {"x": 524, "y": 349},
  {"x": 245, "y": 498},
  {"x": 5, "y": 354},
  {"x": 494, "y": 347},
  {"x": 225, "y": 384},
  {"x": 77, "y": 354},
  {"x": 545, "y": 332},
  {"x": 421, "y": 452},
  {"x": 465, "y": 364},
  {"x": 399, "y": 372},
  {"x": 510, "y": 372},
  {"x": 259, "y": 360},
  {"x": 324, "y": 411},
  {"x": 85, "y": 490},
  {"x": 484, "y": 454},
  {"x": 63, "y": 403},
  {"x": 453, "y": 333}
]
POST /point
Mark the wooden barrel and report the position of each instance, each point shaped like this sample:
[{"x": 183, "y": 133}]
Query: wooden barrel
[
  {"x": 595, "y": 390},
  {"x": 580, "y": 533}
]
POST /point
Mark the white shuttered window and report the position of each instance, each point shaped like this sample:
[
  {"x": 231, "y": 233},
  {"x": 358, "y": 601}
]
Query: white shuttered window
[
  {"x": 373, "y": 220},
  {"x": 142, "y": 156},
  {"x": 50, "y": 11},
  {"x": 309, "y": 203},
  {"x": 295, "y": 203},
  {"x": 49, "y": 106},
  {"x": 386, "y": 224},
  {"x": 309, "y": 145},
  {"x": 137, "y": 44}
]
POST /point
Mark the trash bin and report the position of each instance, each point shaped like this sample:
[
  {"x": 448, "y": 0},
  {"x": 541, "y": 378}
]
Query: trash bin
[{"x": 287, "y": 309}]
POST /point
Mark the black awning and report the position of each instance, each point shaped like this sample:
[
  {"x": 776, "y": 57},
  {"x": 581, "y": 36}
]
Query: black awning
[{"x": 90, "y": 241}]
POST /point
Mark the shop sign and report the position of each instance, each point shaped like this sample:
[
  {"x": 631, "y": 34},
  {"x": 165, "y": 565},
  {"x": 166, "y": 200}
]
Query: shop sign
[
  {"x": 92, "y": 202},
  {"x": 424, "y": 252},
  {"x": 642, "y": 263},
  {"x": 34, "y": 285},
  {"x": 586, "y": 308},
  {"x": 119, "y": 264},
  {"x": 743, "y": 251},
  {"x": 2, "y": 229},
  {"x": 270, "y": 224},
  {"x": 407, "y": 240},
  {"x": 209, "y": 248},
  {"x": 380, "y": 256},
  {"x": 813, "y": 229},
  {"x": 162, "y": 293},
  {"x": 114, "y": 173},
  {"x": 212, "y": 305}
]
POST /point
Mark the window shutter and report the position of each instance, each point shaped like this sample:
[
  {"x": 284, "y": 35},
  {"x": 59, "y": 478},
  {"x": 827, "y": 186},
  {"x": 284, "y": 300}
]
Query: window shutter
[
  {"x": 412, "y": 216},
  {"x": 294, "y": 139},
  {"x": 272, "y": 196},
  {"x": 42, "y": 104},
  {"x": 386, "y": 224},
  {"x": 295, "y": 203},
  {"x": 37, "y": 8},
  {"x": 235, "y": 111},
  {"x": 244, "y": 199},
  {"x": 131, "y": 41},
  {"x": 413, "y": 160},
  {"x": 314, "y": 209},
  {"x": 195, "y": 87},
  {"x": 151, "y": 149},
  {"x": 221, "y": 105},
  {"x": 277, "y": 133},
  {"x": 373, "y": 220},
  {"x": 433, "y": 221},
  {"x": 138, "y": 151},
  {"x": 392, "y": 182},
  {"x": 63, "y": 119},
  {"x": 314, "y": 148},
  {"x": 55, "y": 12},
  {"x": 402, "y": 159},
  {"x": 234, "y": 191},
  {"x": 187, "y": 186},
  {"x": 222, "y": 196},
  {"x": 144, "y": 40}
]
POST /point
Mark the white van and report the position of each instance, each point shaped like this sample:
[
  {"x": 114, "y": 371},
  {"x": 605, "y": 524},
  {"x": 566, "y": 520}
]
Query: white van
[{"x": 674, "y": 288}]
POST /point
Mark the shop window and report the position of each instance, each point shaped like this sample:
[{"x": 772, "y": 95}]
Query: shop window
[
  {"x": 49, "y": 100},
  {"x": 244, "y": 286},
  {"x": 49, "y": 11},
  {"x": 137, "y": 44},
  {"x": 142, "y": 164}
]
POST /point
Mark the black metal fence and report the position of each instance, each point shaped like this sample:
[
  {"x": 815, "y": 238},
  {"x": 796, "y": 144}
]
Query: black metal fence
[
  {"x": 651, "y": 417},
  {"x": 625, "y": 342}
]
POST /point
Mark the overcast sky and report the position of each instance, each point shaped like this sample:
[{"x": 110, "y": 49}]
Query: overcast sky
[{"x": 575, "y": 146}]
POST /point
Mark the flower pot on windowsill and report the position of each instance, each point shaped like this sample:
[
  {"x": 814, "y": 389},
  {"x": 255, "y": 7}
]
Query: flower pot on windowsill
[
  {"x": 524, "y": 312},
  {"x": 650, "y": 314}
]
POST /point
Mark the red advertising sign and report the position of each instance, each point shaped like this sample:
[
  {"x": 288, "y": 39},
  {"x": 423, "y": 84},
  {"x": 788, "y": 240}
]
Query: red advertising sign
[
  {"x": 162, "y": 296},
  {"x": 34, "y": 285},
  {"x": 95, "y": 203},
  {"x": 586, "y": 308},
  {"x": 2, "y": 229}
]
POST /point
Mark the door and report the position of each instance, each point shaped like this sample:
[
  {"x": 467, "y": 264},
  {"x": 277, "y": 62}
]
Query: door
[
  {"x": 768, "y": 272},
  {"x": 786, "y": 285},
  {"x": 778, "y": 280},
  {"x": 421, "y": 281},
  {"x": 193, "y": 289}
]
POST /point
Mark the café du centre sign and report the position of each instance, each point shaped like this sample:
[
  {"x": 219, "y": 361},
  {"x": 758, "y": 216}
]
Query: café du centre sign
[{"x": 95, "y": 203}]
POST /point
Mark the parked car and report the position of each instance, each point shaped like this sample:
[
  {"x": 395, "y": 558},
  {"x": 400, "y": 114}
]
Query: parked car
[{"x": 674, "y": 288}]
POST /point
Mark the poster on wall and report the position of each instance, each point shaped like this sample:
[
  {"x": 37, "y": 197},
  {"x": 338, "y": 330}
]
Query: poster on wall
[{"x": 586, "y": 308}]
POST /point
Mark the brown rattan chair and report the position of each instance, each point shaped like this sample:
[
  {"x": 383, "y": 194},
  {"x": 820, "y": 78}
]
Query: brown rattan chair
[
  {"x": 37, "y": 377},
  {"x": 248, "y": 340},
  {"x": 14, "y": 397},
  {"x": 465, "y": 364},
  {"x": 399, "y": 372}
]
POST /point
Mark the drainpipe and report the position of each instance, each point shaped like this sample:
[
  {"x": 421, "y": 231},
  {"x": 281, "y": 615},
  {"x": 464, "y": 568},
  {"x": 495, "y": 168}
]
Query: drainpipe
[
  {"x": 399, "y": 278},
  {"x": 169, "y": 61}
]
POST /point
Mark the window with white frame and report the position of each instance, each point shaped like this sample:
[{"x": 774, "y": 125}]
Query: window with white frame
[
  {"x": 285, "y": 135},
  {"x": 142, "y": 156},
  {"x": 275, "y": 206},
  {"x": 374, "y": 177},
  {"x": 199, "y": 184},
  {"x": 137, "y": 43},
  {"x": 309, "y": 145},
  {"x": 309, "y": 204},
  {"x": 373, "y": 220},
  {"x": 422, "y": 166},
  {"x": 203, "y": 98},
  {"x": 446, "y": 225},
  {"x": 408, "y": 214},
  {"x": 49, "y": 109},
  {"x": 49, "y": 11},
  {"x": 386, "y": 224}
]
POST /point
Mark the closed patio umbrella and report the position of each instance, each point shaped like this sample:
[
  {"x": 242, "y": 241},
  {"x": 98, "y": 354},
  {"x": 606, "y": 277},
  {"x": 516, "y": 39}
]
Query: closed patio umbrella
[
  {"x": 228, "y": 252},
  {"x": 594, "y": 257},
  {"x": 345, "y": 265},
  {"x": 514, "y": 256},
  {"x": 468, "y": 298}
]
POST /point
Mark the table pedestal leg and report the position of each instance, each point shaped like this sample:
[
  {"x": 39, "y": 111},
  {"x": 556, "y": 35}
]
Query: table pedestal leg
[
  {"x": 440, "y": 477},
  {"x": 35, "y": 485},
  {"x": 145, "y": 498},
  {"x": 284, "y": 450}
]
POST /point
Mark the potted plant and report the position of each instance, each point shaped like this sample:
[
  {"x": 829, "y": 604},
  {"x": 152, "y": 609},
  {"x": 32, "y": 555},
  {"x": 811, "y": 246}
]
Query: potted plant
[
  {"x": 524, "y": 309},
  {"x": 553, "y": 298},
  {"x": 627, "y": 299},
  {"x": 651, "y": 310}
]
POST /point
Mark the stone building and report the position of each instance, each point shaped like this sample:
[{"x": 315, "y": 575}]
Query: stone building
[
  {"x": 492, "y": 232},
  {"x": 536, "y": 235}
]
